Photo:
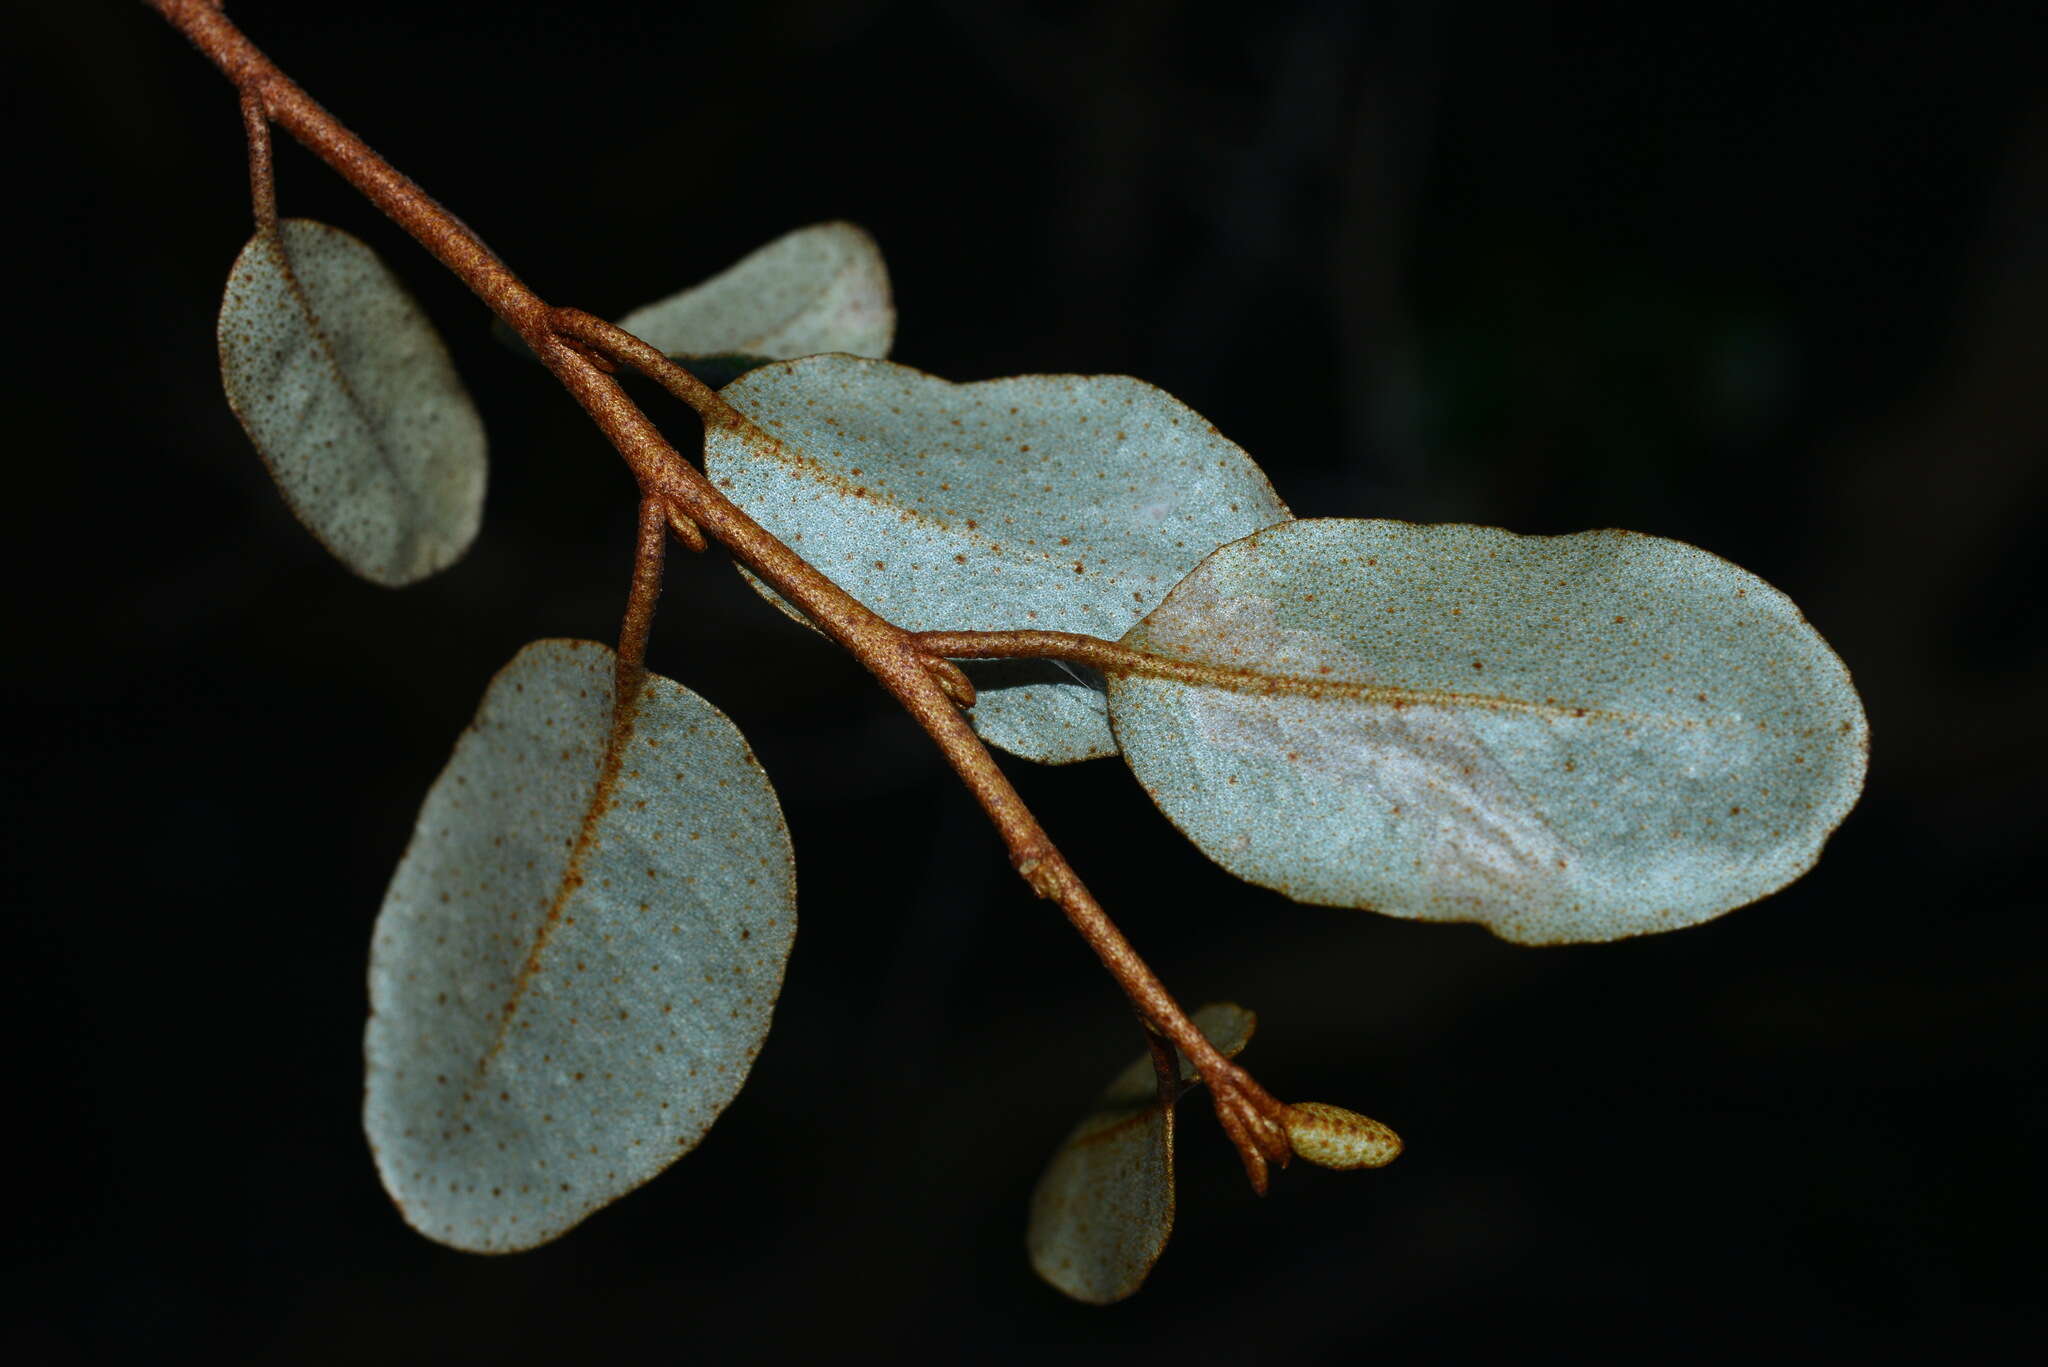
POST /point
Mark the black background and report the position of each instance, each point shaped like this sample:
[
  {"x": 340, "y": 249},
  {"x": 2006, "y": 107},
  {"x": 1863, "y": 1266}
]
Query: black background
[{"x": 1770, "y": 284}]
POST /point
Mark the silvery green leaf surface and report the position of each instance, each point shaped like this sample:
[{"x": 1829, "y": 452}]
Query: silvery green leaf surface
[
  {"x": 577, "y": 959},
  {"x": 349, "y": 395},
  {"x": 1048, "y": 502},
  {"x": 1563, "y": 738},
  {"x": 821, "y": 288},
  {"x": 1102, "y": 1213}
]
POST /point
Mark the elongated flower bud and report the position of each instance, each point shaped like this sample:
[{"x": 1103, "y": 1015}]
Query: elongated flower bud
[{"x": 1332, "y": 1137}]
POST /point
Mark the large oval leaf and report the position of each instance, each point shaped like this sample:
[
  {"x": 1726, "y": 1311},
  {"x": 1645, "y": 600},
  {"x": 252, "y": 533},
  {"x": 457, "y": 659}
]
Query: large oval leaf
[
  {"x": 577, "y": 959},
  {"x": 1054, "y": 502},
  {"x": 349, "y": 395},
  {"x": 821, "y": 288},
  {"x": 1103, "y": 1211},
  {"x": 1564, "y": 738}
]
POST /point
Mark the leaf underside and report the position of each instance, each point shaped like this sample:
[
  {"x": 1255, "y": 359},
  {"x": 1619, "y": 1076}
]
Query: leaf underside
[
  {"x": 576, "y": 962},
  {"x": 1039, "y": 502},
  {"x": 820, "y": 288},
  {"x": 1563, "y": 738},
  {"x": 1102, "y": 1213},
  {"x": 349, "y": 396}
]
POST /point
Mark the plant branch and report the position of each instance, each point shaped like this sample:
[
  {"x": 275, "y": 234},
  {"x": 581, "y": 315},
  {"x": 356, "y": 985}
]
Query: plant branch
[
  {"x": 922, "y": 680},
  {"x": 1248, "y": 1113}
]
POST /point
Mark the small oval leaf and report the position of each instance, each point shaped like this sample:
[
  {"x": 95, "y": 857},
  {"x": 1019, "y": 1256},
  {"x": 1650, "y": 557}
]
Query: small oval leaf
[
  {"x": 821, "y": 288},
  {"x": 1332, "y": 1137},
  {"x": 1040, "y": 502},
  {"x": 349, "y": 396},
  {"x": 1564, "y": 738},
  {"x": 578, "y": 956},
  {"x": 1102, "y": 1213}
]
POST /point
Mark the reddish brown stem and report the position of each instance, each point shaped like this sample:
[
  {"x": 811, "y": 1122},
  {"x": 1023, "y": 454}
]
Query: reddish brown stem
[
  {"x": 262, "y": 175},
  {"x": 650, "y": 549},
  {"x": 921, "y": 679}
]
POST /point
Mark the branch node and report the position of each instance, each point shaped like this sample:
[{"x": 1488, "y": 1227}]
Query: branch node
[
  {"x": 591, "y": 354},
  {"x": 593, "y": 335},
  {"x": 687, "y": 532},
  {"x": 1255, "y": 1122},
  {"x": 1042, "y": 875},
  {"x": 951, "y": 678}
]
